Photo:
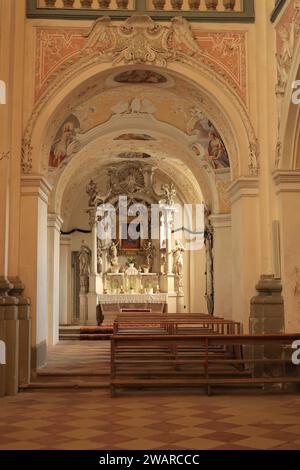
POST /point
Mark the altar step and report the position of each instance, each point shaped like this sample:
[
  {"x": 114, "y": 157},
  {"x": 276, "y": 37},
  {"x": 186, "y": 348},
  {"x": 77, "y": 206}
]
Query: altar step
[
  {"x": 85, "y": 333},
  {"x": 60, "y": 380}
]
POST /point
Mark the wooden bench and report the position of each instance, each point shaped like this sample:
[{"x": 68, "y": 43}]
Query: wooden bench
[
  {"x": 185, "y": 324},
  {"x": 139, "y": 361}
]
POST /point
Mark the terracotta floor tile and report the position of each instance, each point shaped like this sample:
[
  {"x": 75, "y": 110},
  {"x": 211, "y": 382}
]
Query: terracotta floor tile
[
  {"x": 139, "y": 444},
  {"x": 193, "y": 432},
  {"x": 183, "y": 420},
  {"x": 199, "y": 443},
  {"x": 260, "y": 443},
  {"x": 81, "y": 434}
]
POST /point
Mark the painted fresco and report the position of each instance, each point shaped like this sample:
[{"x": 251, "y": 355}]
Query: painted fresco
[
  {"x": 140, "y": 76},
  {"x": 134, "y": 137},
  {"x": 209, "y": 142},
  {"x": 66, "y": 142}
]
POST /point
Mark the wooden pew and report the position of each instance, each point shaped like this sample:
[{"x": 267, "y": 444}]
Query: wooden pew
[
  {"x": 139, "y": 361},
  {"x": 176, "y": 324}
]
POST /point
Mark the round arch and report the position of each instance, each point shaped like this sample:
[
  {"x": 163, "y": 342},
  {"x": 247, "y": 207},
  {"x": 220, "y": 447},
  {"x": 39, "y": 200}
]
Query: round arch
[{"x": 222, "y": 106}]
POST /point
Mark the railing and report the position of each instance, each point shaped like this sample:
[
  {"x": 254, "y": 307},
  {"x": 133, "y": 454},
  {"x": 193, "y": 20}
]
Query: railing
[{"x": 197, "y": 10}]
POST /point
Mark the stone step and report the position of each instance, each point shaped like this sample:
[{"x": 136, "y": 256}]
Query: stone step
[
  {"x": 69, "y": 336},
  {"x": 64, "y": 385}
]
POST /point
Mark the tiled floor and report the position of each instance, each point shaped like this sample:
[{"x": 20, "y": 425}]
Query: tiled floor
[
  {"x": 90, "y": 419},
  {"x": 93, "y": 420}
]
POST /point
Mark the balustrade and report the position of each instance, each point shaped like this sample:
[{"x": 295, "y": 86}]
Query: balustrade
[
  {"x": 197, "y": 10},
  {"x": 162, "y": 5}
]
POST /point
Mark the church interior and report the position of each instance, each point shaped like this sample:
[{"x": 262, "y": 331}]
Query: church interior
[{"x": 149, "y": 224}]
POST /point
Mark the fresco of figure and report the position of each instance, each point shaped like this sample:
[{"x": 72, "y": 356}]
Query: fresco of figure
[
  {"x": 216, "y": 151},
  {"x": 65, "y": 144}
]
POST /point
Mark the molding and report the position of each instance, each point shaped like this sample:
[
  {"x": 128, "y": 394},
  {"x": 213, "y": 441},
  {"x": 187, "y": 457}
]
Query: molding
[
  {"x": 220, "y": 221},
  {"x": 55, "y": 221},
  {"x": 287, "y": 181},
  {"x": 35, "y": 186},
  {"x": 243, "y": 187},
  {"x": 65, "y": 240},
  {"x": 277, "y": 10},
  {"x": 246, "y": 16}
]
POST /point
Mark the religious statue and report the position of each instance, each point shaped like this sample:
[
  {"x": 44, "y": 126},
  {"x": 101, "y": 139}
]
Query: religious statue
[
  {"x": 148, "y": 249},
  {"x": 168, "y": 194},
  {"x": 114, "y": 261},
  {"x": 163, "y": 258},
  {"x": 85, "y": 255},
  {"x": 178, "y": 258},
  {"x": 99, "y": 257},
  {"x": 208, "y": 235}
]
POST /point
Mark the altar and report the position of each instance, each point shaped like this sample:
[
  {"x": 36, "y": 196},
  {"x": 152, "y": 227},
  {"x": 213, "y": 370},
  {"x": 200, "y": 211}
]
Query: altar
[
  {"x": 133, "y": 260},
  {"x": 112, "y": 304}
]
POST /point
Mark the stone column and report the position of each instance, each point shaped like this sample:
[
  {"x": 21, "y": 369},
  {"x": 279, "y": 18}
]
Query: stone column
[
  {"x": 267, "y": 317},
  {"x": 168, "y": 281},
  {"x": 222, "y": 255},
  {"x": 65, "y": 281},
  {"x": 288, "y": 196},
  {"x": 245, "y": 246},
  {"x": 10, "y": 335},
  {"x": 267, "y": 310},
  {"x": 34, "y": 260},
  {"x": 12, "y": 27},
  {"x": 23, "y": 306},
  {"x": 95, "y": 285},
  {"x": 54, "y": 227}
]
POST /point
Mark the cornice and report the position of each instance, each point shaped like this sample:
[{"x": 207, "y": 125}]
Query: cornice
[
  {"x": 35, "y": 185},
  {"x": 220, "y": 220},
  {"x": 287, "y": 181},
  {"x": 55, "y": 221},
  {"x": 243, "y": 187}
]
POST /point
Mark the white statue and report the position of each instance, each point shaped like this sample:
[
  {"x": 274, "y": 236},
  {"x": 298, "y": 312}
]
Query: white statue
[
  {"x": 163, "y": 258},
  {"x": 114, "y": 261},
  {"x": 168, "y": 194},
  {"x": 178, "y": 252},
  {"x": 85, "y": 256},
  {"x": 148, "y": 250}
]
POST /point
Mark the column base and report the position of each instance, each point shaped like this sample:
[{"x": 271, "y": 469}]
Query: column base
[
  {"x": 267, "y": 317},
  {"x": 92, "y": 299}
]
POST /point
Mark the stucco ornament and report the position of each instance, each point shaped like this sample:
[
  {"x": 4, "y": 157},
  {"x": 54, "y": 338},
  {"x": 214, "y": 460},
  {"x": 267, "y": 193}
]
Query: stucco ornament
[
  {"x": 254, "y": 166},
  {"x": 143, "y": 41},
  {"x": 26, "y": 155},
  {"x": 140, "y": 40},
  {"x": 287, "y": 35}
]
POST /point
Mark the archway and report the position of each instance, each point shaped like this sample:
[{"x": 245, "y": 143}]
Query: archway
[
  {"x": 173, "y": 126},
  {"x": 287, "y": 182}
]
